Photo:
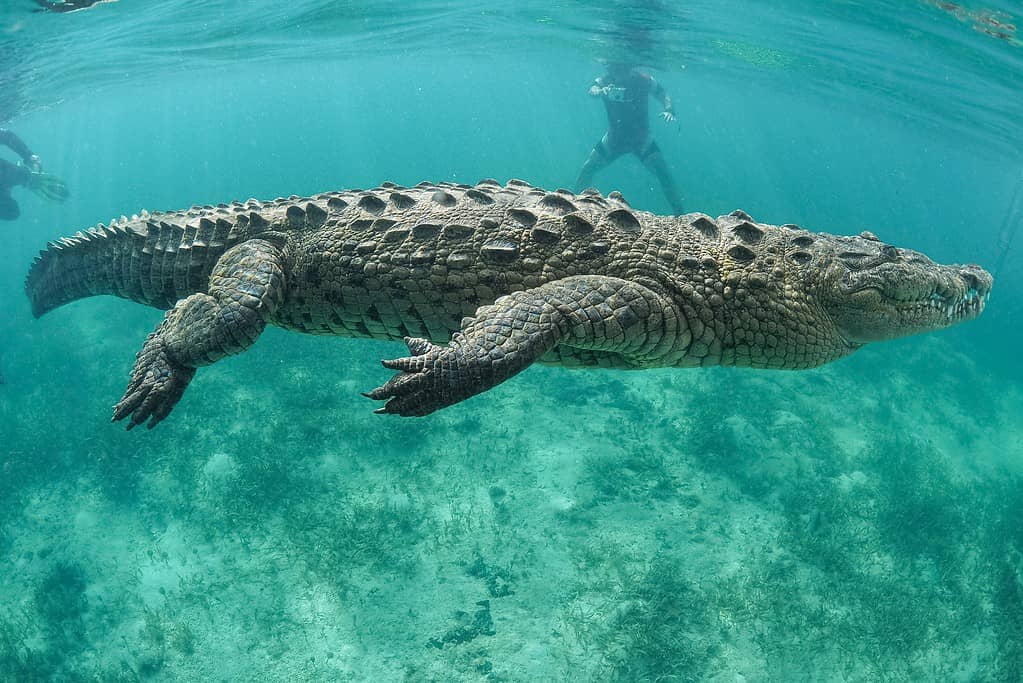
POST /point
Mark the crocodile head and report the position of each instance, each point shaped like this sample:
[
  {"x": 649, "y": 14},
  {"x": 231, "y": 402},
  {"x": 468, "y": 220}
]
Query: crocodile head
[{"x": 874, "y": 291}]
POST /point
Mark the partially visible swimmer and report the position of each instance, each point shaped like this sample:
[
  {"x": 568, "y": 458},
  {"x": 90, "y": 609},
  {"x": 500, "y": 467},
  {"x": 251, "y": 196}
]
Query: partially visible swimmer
[
  {"x": 65, "y": 6},
  {"x": 29, "y": 173}
]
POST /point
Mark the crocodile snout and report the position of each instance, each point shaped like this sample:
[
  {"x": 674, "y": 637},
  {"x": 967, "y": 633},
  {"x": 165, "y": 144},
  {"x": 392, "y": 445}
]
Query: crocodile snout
[{"x": 978, "y": 281}]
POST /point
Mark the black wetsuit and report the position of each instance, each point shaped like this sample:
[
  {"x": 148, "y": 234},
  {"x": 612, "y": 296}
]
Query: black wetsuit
[
  {"x": 628, "y": 128},
  {"x": 626, "y": 99},
  {"x": 64, "y": 6},
  {"x": 12, "y": 174}
]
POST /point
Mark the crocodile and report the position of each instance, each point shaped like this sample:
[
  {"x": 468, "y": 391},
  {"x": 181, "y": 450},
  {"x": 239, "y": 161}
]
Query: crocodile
[{"x": 481, "y": 281}]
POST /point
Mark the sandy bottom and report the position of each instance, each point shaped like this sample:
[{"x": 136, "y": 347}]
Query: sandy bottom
[{"x": 860, "y": 522}]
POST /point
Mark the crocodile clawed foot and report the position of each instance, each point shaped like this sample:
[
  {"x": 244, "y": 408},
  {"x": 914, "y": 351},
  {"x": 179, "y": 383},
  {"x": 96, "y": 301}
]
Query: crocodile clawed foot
[
  {"x": 156, "y": 385},
  {"x": 423, "y": 383}
]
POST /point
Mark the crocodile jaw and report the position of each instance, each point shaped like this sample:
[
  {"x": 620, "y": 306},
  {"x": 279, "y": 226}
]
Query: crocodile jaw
[{"x": 908, "y": 295}]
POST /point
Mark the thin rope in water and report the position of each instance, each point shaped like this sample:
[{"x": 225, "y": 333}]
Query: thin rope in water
[{"x": 1013, "y": 218}]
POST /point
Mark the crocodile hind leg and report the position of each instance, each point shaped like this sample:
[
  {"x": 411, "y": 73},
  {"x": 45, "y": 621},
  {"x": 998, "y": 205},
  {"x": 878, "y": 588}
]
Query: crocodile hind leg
[
  {"x": 245, "y": 287},
  {"x": 502, "y": 339}
]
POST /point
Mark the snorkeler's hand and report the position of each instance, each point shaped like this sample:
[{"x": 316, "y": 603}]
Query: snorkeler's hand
[
  {"x": 48, "y": 186},
  {"x": 667, "y": 116}
]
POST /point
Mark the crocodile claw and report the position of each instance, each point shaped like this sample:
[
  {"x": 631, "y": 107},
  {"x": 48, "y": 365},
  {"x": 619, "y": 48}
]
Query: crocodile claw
[
  {"x": 156, "y": 385},
  {"x": 426, "y": 380}
]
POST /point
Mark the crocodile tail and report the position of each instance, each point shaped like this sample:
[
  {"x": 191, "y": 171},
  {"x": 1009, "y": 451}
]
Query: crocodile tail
[{"x": 149, "y": 260}]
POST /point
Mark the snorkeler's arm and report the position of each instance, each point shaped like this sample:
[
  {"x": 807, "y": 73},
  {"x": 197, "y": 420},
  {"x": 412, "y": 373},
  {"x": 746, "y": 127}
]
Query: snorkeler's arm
[
  {"x": 9, "y": 139},
  {"x": 30, "y": 173},
  {"x": 658, "y": 92}
]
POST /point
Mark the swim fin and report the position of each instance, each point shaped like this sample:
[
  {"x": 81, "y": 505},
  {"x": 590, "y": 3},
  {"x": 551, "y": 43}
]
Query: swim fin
[{"x": 48, "y": 186}]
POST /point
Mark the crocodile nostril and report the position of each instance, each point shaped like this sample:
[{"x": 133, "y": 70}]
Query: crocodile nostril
[{"x": 972, "y": 281}]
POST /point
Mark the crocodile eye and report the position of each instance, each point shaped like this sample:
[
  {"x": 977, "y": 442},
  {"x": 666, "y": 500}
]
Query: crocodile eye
[
  {"x": 801, "y": 257},
  {"x": 856, "y": 260},
  {"x": 889, "y": 252}
]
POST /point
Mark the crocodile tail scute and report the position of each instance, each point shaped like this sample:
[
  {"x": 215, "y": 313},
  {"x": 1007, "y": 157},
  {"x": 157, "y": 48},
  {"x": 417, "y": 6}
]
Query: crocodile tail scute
[
  {"x": 71, "y": 268},
  {"x": 152, "y": 261}
]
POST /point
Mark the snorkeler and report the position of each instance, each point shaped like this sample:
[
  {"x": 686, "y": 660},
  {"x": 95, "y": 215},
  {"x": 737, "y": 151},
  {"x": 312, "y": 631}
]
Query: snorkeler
[
  {"x": 29, "y": 173},
  {"x": 625, "y": 90},
  {"x": 64, "y": 6}
]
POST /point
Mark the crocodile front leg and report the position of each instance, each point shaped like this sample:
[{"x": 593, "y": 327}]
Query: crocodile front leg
[
  {"x": 502, "y": 339},
  {"x": 245, "y": 287}
]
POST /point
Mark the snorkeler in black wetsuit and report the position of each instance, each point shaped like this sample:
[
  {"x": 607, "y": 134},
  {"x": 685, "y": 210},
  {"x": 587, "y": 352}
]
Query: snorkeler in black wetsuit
[
  {"x": 11, "y": 174},
  {"x": 29, "y": 173},
  {"x": 625, "y": 91},
  {"x": 64, "y": 6}
]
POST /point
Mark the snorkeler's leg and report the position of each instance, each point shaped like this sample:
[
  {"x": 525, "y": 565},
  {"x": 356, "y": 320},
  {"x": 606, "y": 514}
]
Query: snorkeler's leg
[
  {"x": 654, "y": 162},
  {"x": 9, "y": 210},
  {"x": 598, "y": 159},
  {"x": 11, "y": 175}
]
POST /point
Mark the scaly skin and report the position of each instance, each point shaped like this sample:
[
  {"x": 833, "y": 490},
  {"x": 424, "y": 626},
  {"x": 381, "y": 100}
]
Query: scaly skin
[{"x": 483, "y": 281}]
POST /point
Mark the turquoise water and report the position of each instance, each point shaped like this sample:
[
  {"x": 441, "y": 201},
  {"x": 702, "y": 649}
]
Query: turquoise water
[{"x": 858, "y": 522}]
